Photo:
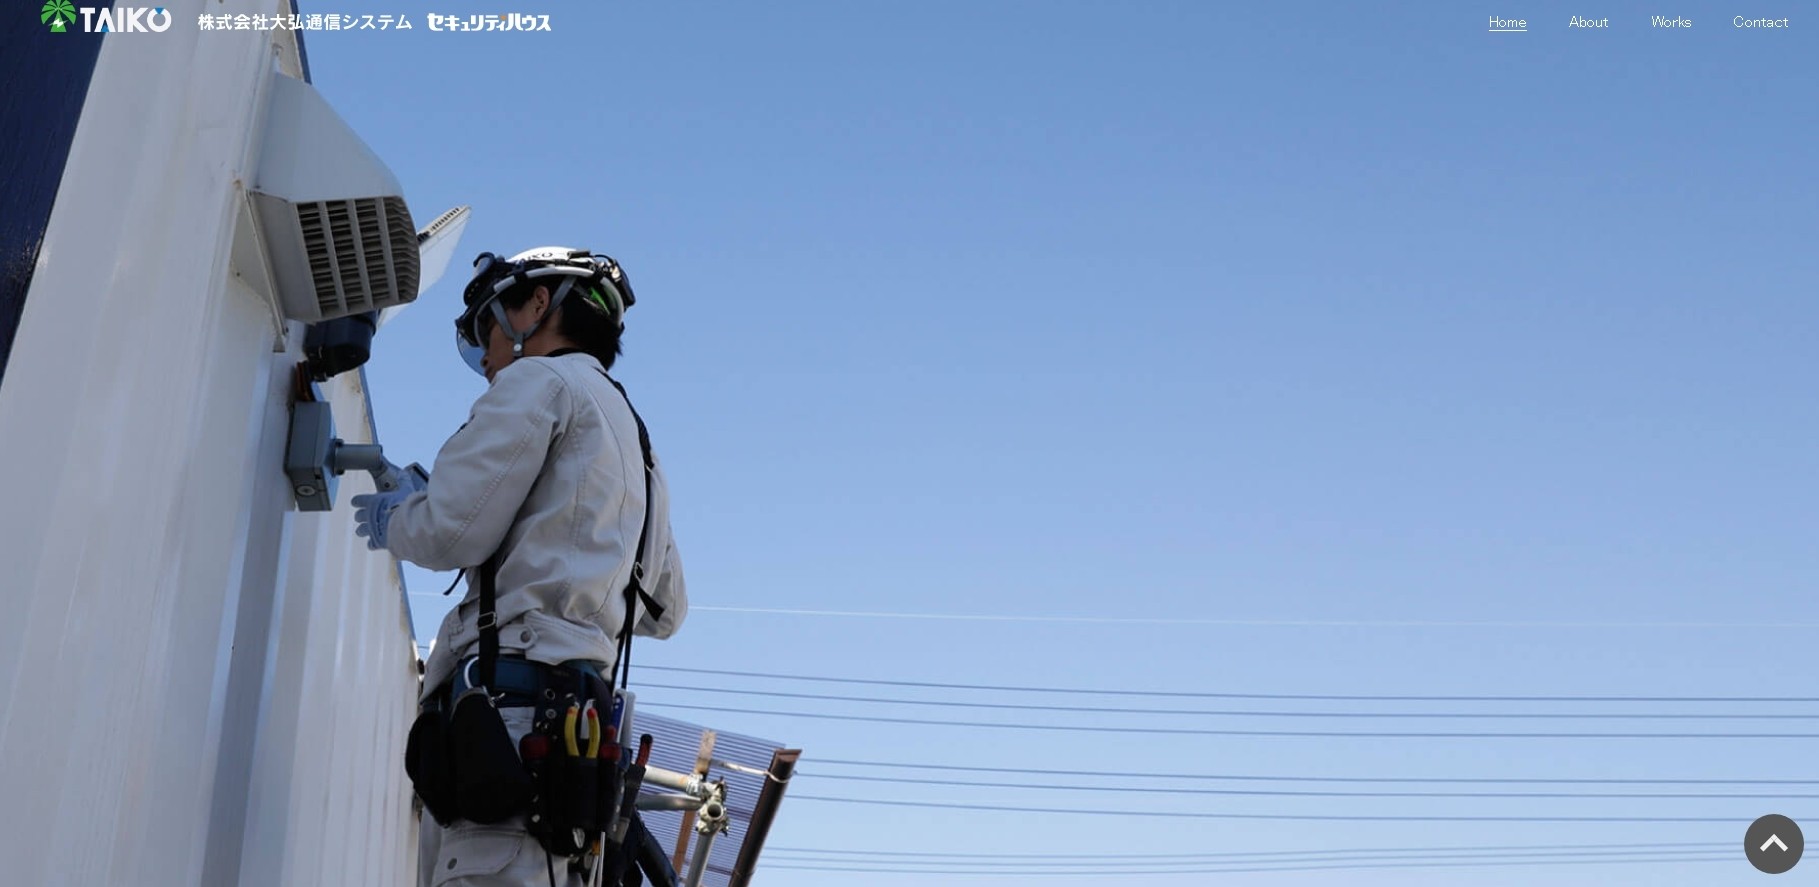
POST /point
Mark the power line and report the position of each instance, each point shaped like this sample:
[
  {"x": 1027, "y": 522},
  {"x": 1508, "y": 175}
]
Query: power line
[
  {"x": 1728, "y": 857},
  {"x": 1242, "y": 623},
  {"x": 1315, "y": 817},
  {"x": 1190, "y": 731},
  {"x": 1137, "y": 865},
  {"x": 1082, "y": 691},
  {"x": 1491, "y": 849},
  {"x": 1305, "y": 794},
  {"x": 1245, "y": 714},
  {"x": 1134, "y": 774}
]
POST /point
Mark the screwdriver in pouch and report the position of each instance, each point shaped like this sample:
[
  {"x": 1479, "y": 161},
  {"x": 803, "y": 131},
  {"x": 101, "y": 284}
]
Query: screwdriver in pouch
[
  {"x": 611, "y": 780},
  {"x": 634, "y": 780}
]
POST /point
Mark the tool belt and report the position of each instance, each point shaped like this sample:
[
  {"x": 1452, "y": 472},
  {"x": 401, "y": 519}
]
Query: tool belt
[
  {"x": 564, "y": 775},
  {"x": 520, "y": 682}
]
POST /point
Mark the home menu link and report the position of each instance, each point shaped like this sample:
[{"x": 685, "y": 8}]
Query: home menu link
[{"x": 1517, "y": 24}]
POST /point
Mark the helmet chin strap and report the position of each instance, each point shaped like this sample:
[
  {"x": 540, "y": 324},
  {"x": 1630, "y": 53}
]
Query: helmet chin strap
[{"x": 518, "y": 338}]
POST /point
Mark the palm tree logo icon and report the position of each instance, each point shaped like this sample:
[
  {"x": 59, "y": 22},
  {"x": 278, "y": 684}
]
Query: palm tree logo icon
[{"x": 59, "y": 13}]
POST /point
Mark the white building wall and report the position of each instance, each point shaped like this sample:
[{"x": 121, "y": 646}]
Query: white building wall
[{"x": 198, "y": 684}]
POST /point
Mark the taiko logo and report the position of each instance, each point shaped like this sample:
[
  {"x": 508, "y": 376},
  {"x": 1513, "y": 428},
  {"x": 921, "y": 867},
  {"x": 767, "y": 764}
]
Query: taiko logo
[{"x": 123, "y": 20}]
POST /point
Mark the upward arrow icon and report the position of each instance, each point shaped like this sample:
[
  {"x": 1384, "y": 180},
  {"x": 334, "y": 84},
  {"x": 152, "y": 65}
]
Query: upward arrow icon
[{"x": 1773, "y": 844}]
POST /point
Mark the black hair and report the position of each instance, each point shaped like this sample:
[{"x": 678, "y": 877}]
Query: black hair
[{"x": 578, "y": 318}]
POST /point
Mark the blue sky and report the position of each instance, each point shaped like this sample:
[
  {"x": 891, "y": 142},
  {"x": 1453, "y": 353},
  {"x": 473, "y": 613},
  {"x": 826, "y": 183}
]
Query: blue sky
[{"x": 1266, "y": 313}]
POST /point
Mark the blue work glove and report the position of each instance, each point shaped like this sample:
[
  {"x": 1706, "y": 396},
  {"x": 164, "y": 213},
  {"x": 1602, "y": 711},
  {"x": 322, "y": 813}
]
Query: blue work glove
[
  {"x": 409, "y": 480},
  {"x": 373, "y": 512}
]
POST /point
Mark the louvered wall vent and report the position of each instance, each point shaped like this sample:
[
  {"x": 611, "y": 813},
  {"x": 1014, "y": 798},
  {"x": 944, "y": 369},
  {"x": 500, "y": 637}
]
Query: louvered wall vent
[
  {"x": 350, "y": 245},
  {"x": 332, "y": 218}
]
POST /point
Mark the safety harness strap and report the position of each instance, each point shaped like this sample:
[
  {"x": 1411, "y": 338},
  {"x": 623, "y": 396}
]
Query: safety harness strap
[
  {"x": 489, "y": 622},
  {"x": 634, "y": 589}
]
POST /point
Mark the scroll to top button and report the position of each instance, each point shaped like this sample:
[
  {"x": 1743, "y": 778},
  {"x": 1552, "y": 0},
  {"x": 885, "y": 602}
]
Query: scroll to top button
[{"x": 1773, "y": 844}]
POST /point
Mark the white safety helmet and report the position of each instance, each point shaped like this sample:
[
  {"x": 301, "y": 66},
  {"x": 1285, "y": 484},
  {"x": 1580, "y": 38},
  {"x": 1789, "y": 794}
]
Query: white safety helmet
[{"x": 597, "y": 278}]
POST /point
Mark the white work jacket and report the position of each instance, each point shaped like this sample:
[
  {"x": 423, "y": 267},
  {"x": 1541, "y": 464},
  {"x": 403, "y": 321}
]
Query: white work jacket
[{"x": 549, "y": 466}]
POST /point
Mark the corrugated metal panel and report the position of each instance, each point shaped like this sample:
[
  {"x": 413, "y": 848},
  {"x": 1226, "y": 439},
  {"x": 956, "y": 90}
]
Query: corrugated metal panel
[
  {"x": 340, "y": 696},
  {"x": 197, "y": 684},
  {"x": 675, "y": 746}
]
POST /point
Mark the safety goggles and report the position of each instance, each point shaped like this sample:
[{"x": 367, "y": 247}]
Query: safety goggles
[{"x": 474, "y": 324}]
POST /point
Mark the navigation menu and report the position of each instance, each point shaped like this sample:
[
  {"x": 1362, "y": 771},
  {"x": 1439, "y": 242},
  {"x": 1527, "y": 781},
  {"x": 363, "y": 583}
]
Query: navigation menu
[{"x": 1513, "y": 24}]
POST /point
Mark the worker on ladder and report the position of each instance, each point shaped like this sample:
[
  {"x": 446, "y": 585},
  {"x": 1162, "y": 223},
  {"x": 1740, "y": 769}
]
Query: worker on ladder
[{"x": 551, "y": 502}]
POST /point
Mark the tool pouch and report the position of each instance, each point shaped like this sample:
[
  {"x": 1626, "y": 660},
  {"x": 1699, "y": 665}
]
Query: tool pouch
[
  {"x": 431, "y": 767},
  {"x": 568, "y": 812},
  {"x": 491, "y": 784}
]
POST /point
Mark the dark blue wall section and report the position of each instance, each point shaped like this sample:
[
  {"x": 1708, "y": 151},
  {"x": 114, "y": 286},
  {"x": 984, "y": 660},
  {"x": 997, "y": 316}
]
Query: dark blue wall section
[
  {"x": 302, "y": 51},
  {"x": 46, "y": 78}
]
